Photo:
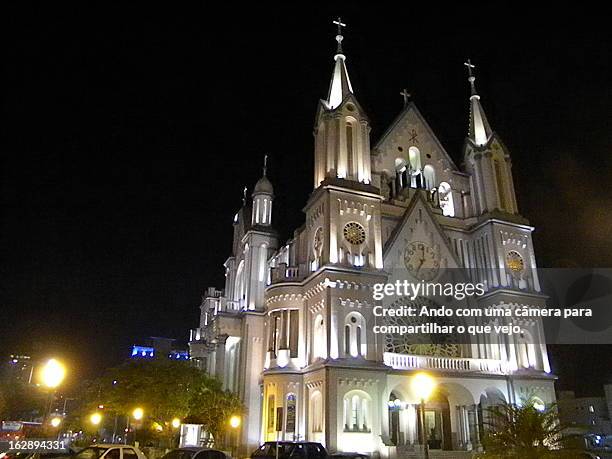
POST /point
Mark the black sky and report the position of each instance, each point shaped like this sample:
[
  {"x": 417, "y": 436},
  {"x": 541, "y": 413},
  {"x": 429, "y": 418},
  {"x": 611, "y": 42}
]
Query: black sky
[{"x": 130, "y": 131}]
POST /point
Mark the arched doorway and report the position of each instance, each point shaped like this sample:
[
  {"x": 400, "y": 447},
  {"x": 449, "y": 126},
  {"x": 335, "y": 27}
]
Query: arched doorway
[{"x": 437, "y": 423}]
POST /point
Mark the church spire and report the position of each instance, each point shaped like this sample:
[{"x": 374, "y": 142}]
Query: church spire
[
  {"x": 340, "y": 84},
  {"x": 479, "y": 131}
]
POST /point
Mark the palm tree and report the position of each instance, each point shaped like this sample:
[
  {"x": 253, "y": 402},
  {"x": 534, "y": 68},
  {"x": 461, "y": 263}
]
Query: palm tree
[{"x": 526, "y": 431}]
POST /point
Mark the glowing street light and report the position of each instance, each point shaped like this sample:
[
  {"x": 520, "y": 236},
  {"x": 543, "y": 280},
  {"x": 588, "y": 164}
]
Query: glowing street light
[
  {"x": 53, "y": 373},
  {"x": 95, "y": 418},
  {"x": 55, "y": 422},
  {"x": 176, "y": 423},
  {"x": 235, "y": 422},
  {"x": 137, "y": 414},
  {"x": 423, "y": 385}
]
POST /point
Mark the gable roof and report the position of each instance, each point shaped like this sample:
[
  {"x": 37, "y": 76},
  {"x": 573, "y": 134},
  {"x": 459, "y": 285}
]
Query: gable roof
[{"x": 411, "y": 107}]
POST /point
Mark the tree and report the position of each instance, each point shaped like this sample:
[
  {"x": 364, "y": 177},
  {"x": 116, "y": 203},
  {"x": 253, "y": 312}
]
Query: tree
[
  {"x": 214, "y": 407},
  {"x": 21, "y": 402},
  {"x": 165, "y": 390},
  {"x": 524, "y": 431},
  {"x": 3, "y": 403}
]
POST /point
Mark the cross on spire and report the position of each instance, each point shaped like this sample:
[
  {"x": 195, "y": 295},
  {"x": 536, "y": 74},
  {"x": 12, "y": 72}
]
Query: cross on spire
[
  {"x": 471, "y": 77},
  {"x": 339, "y": 37},
  {"x": 265, "y": 166},
  {"x": 340, "y": 24},
  {"x": 406, "y": 95}
]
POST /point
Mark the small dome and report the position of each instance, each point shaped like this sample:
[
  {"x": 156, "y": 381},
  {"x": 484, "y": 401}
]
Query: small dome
[{"x": 263, "y": 186}]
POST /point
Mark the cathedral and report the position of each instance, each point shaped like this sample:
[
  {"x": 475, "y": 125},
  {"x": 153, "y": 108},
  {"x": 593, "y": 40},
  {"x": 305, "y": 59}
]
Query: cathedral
[{"x": 293, "y": 331}]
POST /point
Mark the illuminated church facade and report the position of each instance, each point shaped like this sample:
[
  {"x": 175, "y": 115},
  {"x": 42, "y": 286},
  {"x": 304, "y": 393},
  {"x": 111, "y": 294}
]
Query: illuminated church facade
[{"x": 292, "y": 331}]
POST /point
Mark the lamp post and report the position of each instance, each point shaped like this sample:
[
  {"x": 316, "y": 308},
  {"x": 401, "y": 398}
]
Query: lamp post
[
  {"x": 51, "y": 375},
  {"x": 95, "y": 418},
  {"x": 423, "y": 385},
  {"x": 234, "y": 424},
  {"x": 137, "y": 414},
  {"x": 176, "y": 425}
]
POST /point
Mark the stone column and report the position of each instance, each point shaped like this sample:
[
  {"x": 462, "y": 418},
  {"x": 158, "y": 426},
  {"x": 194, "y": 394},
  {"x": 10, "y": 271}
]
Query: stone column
[
  {"x": 466, "y": 428},
  {"x": 220, "y": 359},
  {"x": 476, "y": 428},
  {"x": 460, "y": 439}
]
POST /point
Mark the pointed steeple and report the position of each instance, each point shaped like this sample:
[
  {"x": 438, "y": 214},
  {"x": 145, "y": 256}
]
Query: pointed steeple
[
  {"x": 340, "y": 84},
  {"x": 479, "y": 131}
]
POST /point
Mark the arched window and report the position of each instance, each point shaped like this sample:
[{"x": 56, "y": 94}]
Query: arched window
[
  {"x": 350, "y": 145},
  {"x": 500, "y": 184},
  {"x": 354, "y": 335},
  {"x": 429, "y": 176},
  {"x": 402, "y": 176},
  {"x": 414, "y": 155},
  {"x": 291, "y": 414},
  {"x": 284, "y": 331},
  {"x": 316, "y": 412},
  {"x": 525, "y": 350},
  {"x": 446, "y": 199},
  {"x": 356, "y": 411},
  {"x": 319, "y": 347},
  {"x": 239, "y": 286}
]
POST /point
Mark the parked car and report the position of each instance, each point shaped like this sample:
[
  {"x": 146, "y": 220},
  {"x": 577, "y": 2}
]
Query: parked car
[
  {"x": 345, "y": 455},
  {"x": 194, "y": 452},
  {"x": 290, "y": 449},
  {"x": 110, "y": 451}
]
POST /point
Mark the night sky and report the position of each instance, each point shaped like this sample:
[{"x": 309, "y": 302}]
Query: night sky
[{"x": 129, "y": 133}]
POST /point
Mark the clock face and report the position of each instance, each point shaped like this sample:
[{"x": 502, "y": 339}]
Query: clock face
[
  {"x": 515, "y": 261},
  {"x": 354, "y": 233},
  {"x": 421, "y": 261}
]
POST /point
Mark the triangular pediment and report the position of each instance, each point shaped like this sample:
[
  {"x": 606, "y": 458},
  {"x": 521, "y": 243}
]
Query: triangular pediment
[
  {"x": 411, "y": 130},
  {"x": 417, "y": 226}
]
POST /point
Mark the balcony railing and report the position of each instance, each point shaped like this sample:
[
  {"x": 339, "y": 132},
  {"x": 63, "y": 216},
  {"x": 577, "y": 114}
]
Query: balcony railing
[
  {"x": 445, "y": 364},
  {"x": 284, "y": 273}
]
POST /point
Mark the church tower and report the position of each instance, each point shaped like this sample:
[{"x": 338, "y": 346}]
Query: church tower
[
  {"x": 487, "y": 160},
  {"x": 343, "y": 213},
  {"x": 342, "y": 130},
  {"x": 510, "y": 273}
]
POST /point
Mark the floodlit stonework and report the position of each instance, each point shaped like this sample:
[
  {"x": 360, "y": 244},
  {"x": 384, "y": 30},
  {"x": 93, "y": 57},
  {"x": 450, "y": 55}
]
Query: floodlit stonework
[{"x": 292, "y": 330}]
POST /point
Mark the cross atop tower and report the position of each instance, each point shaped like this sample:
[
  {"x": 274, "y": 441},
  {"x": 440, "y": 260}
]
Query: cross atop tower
[
  {"x": 406, "y": 95},
  {"x": 339, "y": 37},
  {"x": 469, "y": 66},
  {"x": 471, "y": 77},
  {"x": 340, "y": 24},
  {"x": 265, "y": 166}
]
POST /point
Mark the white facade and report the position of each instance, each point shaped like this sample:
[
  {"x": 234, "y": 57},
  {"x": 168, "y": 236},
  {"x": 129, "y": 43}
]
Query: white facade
[{"x": 292, "y": 331}]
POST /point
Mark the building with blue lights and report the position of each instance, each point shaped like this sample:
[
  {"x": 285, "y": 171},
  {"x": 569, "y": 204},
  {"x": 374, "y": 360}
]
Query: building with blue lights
[{"x": 157, "y": 348}]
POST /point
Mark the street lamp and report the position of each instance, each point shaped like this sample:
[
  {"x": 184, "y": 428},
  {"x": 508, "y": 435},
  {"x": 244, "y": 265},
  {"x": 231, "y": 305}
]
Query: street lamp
[
  {"x": 53, "y": 373},
  {"x": 176, "y": 423},
  {"x": 137, "y": 414},
  {"x": 55, "y": 422},
  {"x": 234, "y": 423},
  {"x": 423, "y": 385},
  {"x": 95, "y": 418}
]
